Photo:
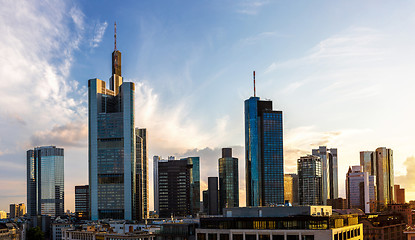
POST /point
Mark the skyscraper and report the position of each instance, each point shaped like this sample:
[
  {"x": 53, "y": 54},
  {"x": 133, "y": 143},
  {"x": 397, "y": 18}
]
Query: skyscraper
[
  {"x": 379, "y": 163},
  {"x": 263, "y": 153},
  {"x": 111, "y": 139},
  {"x": 156, "y": 160},
  {"x": 82, "y": 202},
  {"x": 399, "y": 194},
  {"x": 360, "y": 189},
  {"x": 291, "y": 188},
  {"x": 384, "y": 176},
  {"x": 330, "y": 186},
  {"x": 45, "y": 181},
  {"x": 213, "y": 202},
  {"x": 175, "y": 191},
  {"x": 194, "y": 184},
  {"x": 309, "y": 180},
  {"x": 228, "y": 180},
  {"x": 141, "y": 200}
]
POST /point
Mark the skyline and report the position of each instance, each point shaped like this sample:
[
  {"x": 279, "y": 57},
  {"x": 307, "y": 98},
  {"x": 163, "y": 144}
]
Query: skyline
[{"x": 334, "y": 75}]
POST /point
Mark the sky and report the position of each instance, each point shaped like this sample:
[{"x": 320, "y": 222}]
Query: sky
[{"x": 342, "y": 72}]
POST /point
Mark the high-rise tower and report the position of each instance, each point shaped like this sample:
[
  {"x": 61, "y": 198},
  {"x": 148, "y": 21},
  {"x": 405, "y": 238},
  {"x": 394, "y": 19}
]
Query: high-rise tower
[
  {"x": 111, "y": 140},
  {"x": 45, "y": 181},
  {"x": 228, "y": 180},
  {"x": 141, "y": 174},
  {"x": 263, "y": 153},
  {"x": 329, "y": 170}
]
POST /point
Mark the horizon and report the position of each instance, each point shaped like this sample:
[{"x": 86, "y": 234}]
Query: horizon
[{"x": 342, "y": 78}]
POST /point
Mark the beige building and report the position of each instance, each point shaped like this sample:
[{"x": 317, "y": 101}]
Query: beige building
[{"x": 291, "y": 188}]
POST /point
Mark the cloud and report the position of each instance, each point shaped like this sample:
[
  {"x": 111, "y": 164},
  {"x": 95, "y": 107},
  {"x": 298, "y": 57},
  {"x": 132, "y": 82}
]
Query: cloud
[
  {"x": 408, "y": 179},
  {"x": 73, "y": 134},
  {"x": 251, "y": 7},
  {"x": 99, "y": 31}
]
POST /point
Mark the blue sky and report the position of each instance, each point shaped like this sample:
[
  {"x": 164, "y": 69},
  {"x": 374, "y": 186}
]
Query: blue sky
[{"x": 342, "y": 73}]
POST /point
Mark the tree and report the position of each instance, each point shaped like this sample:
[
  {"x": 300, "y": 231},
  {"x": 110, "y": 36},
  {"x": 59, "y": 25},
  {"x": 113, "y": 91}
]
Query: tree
[{"x": 35, "y": 234}]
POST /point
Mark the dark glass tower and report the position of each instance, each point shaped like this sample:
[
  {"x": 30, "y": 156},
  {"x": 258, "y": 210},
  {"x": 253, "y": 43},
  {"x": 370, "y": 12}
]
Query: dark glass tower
[
  {"x": 141, "y": 200},
  {"x": 213, "y": 196},
  {"x": 329, "y": 171},
  {"x": 112, "y": 149},
  {"x": 309, "y": 180},
  {"x": 194, "y": 184},
  {"x": 228, "y": 180},
  {"x": 174, "y": 188},
  {"x": 45, "y": 181},
  {"x": 263, "y": 153},
  {"x": 82, "y": 202}
]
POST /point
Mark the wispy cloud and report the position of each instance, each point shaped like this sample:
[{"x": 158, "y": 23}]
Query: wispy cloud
[
  {"x": 99, "y": 31},
  {"x": 251, "y": 7},
  {"x": 73, "y": 134}
]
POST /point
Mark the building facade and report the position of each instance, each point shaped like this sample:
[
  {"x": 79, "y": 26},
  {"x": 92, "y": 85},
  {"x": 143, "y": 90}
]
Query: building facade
[
  {"x": 82, "y": 202},
  {"x": 213, "y": 191},
  {"x": 291, "y": 188},
  {"x": 228, "y": 180},
  {"x": 309, "y": 180},
  {"x": 45, "y": 181},
  {"x": 156, "y": 160},
  {"x": 112, "y": 149},
  {"x": 360, "y": 189},
  {"x": 276, "y": 223},
  {"x": 399, "y": 194},
  {"x": 141, "y": 199},
  {"x": 263, "y": 153},
  {"x": 174, "y": 188},
  {"x": 384, "y": 181},
  {"x": 194, "y": 184},
  {"x": 329, "y": 172}
]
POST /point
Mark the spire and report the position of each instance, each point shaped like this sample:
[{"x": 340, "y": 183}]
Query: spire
[
  {"x": 115, "y": 36},
  {"x": 254, "y": 86}
]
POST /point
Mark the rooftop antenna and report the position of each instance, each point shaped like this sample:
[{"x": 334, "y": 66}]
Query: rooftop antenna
[
  {"x": 254, "y": 86},
  {"x": 115, "y": 36}
]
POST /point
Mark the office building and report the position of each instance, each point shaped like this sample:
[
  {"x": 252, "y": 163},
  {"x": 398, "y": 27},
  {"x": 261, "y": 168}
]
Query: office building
[
  {"x": 384, "y": 181},
  {"x": 309, "y": 180},
  {"x": 174, "y": 187},
  {"x": 213, "y": 202},
  {"x": 141, "y": 200},
  {"x": 279, "y": 223},
  {"x": 3, "y": 215},
  {"x": 45, "y": 181},
  {"x": 112, "y": 149},
  {"x": 291, "y": 188},
  {"x": 360, "y": 189},
  {"x": 399, "y": 194},
  {"x": 205, "y": 201},
  {"x": 17, "y": 210},
  {"x": 194, "y": 184},
  {"x": 228, "y": 180},
  {"x": 329, "y": 172},
  {"x": 380, "y": 161},
  {"x": 264, "y": 167},
  {"x": 156, "y": 160},
  {"x": 82, "y": 202}
]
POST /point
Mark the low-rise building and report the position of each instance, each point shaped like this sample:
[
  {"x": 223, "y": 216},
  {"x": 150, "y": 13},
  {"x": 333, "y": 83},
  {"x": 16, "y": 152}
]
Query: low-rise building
[
  {"x": 280, "y": 223},
  {"x": 383, "y": 226},
  {"x": 9, "y": 231},
  {"x": 103, "y": 233}
]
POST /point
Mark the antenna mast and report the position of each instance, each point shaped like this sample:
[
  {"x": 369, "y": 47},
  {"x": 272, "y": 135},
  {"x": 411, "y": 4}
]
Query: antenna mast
[
  {"x": 115, "y": 36},
  {"x": 254, "y": 86}
]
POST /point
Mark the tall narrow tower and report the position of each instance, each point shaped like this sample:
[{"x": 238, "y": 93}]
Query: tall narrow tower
[
  {"x": 111, "y": 145},
  {"x": 263, "y": 153}
]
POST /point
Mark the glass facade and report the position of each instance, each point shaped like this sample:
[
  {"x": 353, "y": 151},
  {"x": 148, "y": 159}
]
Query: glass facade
[
  {"x": 264, "y": 153},
  {"x": 45, "y": 181},
  {"x": 384, "y": 177},
  {"x": 360, "y": 189},
  {"x": 194, "y": 184},
  {"x": 330, "y": 186},
  {"x": 112, "y": 147},
  {"x": 141, "y": 199},
  {"x": 228, "y": 180},
  {"x": 309, "y": 180}
]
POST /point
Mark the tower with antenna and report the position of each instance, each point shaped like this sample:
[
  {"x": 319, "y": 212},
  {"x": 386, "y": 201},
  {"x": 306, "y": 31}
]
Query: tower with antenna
[{"x": 264, "y": 159}]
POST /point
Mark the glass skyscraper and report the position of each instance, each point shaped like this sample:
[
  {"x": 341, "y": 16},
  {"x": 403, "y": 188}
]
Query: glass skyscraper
[
  {"x": 263, "y": 153},
  {"x": 309, "y": 180},
  {"x": 141, "y": 199},
  {"x": 329, "y": 170},
  {"x": 228, "y": 180},
  {"x": 112, "y": 146},
  {"x": 45, "y": 181},
  {"x": 360, "y": 189},
  {"x": 194, "y": 184}
]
